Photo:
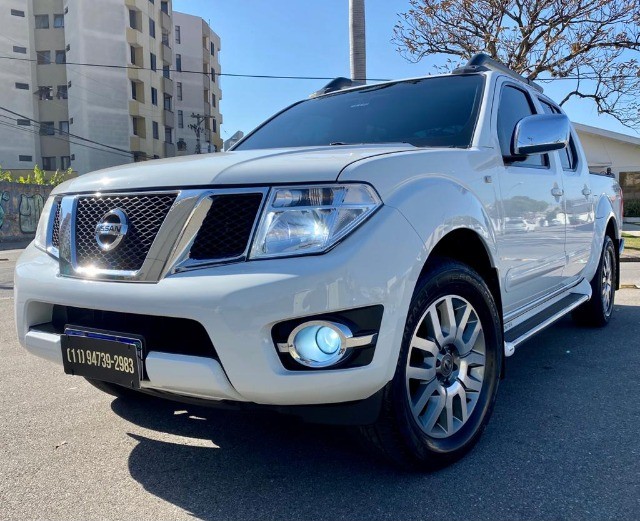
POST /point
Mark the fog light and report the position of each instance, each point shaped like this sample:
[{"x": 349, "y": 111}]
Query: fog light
[{"x": 319, "y": 343}]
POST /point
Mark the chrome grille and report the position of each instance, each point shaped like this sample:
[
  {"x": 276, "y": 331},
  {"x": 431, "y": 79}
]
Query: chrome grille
[
  {"x": 226, "y": 230},
  {"x": 145, "y": 213},
  {"x": 55, "y": 233}
]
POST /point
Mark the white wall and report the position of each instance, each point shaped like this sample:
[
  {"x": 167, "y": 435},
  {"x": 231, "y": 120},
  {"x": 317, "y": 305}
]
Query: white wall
[
  {"x": 98, "y": 97},
  {"x": 17, "y": 141}
]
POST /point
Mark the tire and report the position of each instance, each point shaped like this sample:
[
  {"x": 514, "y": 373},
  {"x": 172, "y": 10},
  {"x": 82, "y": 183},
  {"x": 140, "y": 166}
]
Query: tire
[
  {"x": 597, "y": 311},
  {"x": 116, "y": 390},
  {"x": 444, "y": 388}
]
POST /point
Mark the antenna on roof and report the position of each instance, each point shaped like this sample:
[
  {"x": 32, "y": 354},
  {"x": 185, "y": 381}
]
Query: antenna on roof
[
  {"x": 335, "y": 85},
  {"x": 483, "y": 62}
]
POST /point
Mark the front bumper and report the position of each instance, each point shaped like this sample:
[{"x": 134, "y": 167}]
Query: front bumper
[{"x": 238, "y": 305}]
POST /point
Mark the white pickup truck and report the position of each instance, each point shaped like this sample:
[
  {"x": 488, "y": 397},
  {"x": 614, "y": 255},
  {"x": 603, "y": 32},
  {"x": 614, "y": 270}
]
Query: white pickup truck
[{"x": 368, "y": 256}]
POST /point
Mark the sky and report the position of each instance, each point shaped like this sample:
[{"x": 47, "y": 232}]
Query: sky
[{"x": 311, "y": 38}]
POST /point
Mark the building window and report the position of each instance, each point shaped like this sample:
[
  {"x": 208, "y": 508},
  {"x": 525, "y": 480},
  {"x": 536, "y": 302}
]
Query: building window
[
  {"x": 179, "y": 90},
  {"x": 167, "y": 102},
  {"x": 179, "y": 62},
  {"x": 42, "y": 21},
  {"x": 47, "y": 128},
  {"x": 63, "y": 92},
  {"x": 49, "y": 163},
  {"x": 177, "y": 34},
  {"x": 213, "y": 49},
  {"x": 45, "y": 93},
  {"x": 165, "y": 38},
  {"x": 168, "y": 135},
  {"x": 65, "y": 162},
  {"x": 164, "y": 6},
  {"x": 152, "y": 28},
  {"x": 25, "y": 158},
  {"x": 180, "y": 119},
  {"x": 16, "y": 12},
  {"x": 132, "y": 54},
  {"x": 214, "y": 125},
  {"x": 44, "y": 57},
  {"x": 136, "y": 125},
  {"x": 154, "y": 96},
  {"x": 153, "y": 62},
  {"x": 134, "y": 90},
  {"x": 156, "y": 130},
  {"x": 213, "y": 100},
  {"x": 133, "y": 19},
  {"x": 166, "y": 71},
  {"x": 19, "y": 50},
  {"x": 58, "y": 21},
  {"x": 22, "y": 86},
  {"x": 23, "y": 122},
  {"x": 61, "y": 56},
  {"x": 213, "y": 75},
  {"x": 63, "y": 127}
]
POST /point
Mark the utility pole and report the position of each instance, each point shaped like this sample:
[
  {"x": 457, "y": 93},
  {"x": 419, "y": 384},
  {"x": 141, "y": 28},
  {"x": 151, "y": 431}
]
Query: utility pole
[
  {"x": 357, "y": 41},
  {"x": 197, "y": 128}
]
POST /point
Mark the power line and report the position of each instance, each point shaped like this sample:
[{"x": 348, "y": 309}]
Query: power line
[{"x": 121, "y": 150}]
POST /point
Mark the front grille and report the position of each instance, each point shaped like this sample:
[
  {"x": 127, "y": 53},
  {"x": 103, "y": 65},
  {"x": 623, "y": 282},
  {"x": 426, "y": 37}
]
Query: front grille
[
  {"x": 55, "y": 234},
  {"x": 226, "y": 230},
  {"x": 145, "y": 214}
]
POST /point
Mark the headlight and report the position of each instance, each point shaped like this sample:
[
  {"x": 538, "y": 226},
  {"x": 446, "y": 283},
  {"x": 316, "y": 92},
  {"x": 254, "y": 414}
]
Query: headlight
[
  {"x": 311, "y": 219},
  {"x": 43, "y": 225}
]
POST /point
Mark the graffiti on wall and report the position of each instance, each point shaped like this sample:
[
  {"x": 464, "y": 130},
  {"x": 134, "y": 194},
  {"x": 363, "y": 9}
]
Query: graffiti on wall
[{"x": 20, "y": 209}]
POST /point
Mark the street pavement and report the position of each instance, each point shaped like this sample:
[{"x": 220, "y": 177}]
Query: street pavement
[{"x": 562, "y": 444}]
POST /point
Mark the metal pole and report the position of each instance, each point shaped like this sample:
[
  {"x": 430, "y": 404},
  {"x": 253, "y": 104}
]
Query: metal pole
[{"x": 357, "y": 41}]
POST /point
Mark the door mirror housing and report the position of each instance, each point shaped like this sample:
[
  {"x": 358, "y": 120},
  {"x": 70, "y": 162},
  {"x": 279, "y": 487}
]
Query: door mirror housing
[{"x": 540, "y": 133}]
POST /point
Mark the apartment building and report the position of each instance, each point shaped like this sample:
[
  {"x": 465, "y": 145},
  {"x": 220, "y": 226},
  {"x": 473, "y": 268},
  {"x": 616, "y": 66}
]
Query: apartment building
[
  {"x": 198, "y": 96},
  {"x": 90, "y": 117}
]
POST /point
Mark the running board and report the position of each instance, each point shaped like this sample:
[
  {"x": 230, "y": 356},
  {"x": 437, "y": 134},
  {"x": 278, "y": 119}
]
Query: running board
[{"x": 522, "y": 332}]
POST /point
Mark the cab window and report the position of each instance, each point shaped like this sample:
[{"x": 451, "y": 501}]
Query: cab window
[{"x": 515, "y": 104}]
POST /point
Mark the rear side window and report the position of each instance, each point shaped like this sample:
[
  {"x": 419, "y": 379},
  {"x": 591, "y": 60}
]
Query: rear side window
[
  {"x": 568, "y": 155},
  {"x": 515, "y": 105}
]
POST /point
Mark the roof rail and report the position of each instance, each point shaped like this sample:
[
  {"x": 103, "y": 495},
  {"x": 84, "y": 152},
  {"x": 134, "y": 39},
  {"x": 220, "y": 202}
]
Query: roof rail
[
  {"x": 336, "y": 85},
  {"x": 483, "y": 62}
]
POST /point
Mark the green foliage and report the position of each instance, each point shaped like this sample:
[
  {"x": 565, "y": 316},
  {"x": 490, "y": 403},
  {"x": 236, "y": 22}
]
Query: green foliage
[
  {"x": 632, "y": 208},
  {"x": 37, "y": 177}
]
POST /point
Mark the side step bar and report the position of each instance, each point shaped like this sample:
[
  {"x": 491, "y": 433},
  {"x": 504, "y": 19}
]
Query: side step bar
[{"x": 522, "y": 332}]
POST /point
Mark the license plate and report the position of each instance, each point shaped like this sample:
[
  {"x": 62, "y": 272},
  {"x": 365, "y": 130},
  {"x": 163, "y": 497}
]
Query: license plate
[{"x": 102, "y": 355}]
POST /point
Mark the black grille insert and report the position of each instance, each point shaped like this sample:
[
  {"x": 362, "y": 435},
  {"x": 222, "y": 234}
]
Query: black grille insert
[
  {"x": 145, "y": 214},
  {"x": 226, "y": 230},
  {"x": 55, "y": 233},
  {"x": 165, "y": 334}
]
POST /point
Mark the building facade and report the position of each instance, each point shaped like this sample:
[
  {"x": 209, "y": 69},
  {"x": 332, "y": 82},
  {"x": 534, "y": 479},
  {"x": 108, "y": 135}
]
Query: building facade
[
  {"x": 198, "y": 96},
  {"x": 59, "y": 114}
]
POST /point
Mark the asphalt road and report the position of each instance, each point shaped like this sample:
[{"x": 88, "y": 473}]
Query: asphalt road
[{"x": 562, "y": 444}]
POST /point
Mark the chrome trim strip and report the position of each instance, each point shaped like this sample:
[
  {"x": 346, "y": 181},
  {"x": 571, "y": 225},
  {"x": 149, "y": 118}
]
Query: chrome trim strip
[
  {"x": 510, "y": 347},
  {"x": 51, "y": 249}
]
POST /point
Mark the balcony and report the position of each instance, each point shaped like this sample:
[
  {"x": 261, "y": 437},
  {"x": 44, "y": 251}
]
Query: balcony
[
  {"x": 207, "y": 109},
  {"x": 135, "y": 108},
  {"x": 167, "y": 54},
  {"x": 169, "y": 150},
  {"x": 165, "y": 20},
  {"x": 135, "y": 143},
  {"x": 135, "y": 37},
  {"x": 167, "y": 85},
  {"x": 168, "y": 118}
]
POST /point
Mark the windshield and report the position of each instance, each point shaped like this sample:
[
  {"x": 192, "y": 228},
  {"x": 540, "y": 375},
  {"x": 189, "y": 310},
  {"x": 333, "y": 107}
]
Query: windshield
[{"x": 431, "y": 112}]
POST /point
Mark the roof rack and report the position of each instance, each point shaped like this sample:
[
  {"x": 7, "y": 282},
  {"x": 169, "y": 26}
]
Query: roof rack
[
  {"x": 483, "y": 62},
  {"x": 336, "y": 85}
]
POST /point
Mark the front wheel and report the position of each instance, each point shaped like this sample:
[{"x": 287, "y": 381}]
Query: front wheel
[
  {"x": 446, "y": 380},
  {"x": 597, "y": 311}
]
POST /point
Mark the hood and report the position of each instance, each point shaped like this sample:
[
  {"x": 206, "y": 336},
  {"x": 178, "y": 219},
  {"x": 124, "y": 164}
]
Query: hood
[{"x": 251, "y": 167}]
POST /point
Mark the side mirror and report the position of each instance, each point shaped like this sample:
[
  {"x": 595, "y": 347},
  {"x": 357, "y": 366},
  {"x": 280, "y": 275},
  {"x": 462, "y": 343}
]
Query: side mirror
[{"x": 540, "y": 133}]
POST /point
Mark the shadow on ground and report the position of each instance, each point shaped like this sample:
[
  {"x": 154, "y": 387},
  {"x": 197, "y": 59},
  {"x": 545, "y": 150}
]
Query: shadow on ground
[{"x": 560, "y": 444}]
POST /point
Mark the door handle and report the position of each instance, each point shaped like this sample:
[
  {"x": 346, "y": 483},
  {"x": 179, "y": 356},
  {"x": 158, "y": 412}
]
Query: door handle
[
  {"x": 586, "y": 191},
  {"x": 557, "y": 192}
]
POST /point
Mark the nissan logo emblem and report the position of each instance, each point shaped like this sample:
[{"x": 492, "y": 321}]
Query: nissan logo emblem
[{"x": 111, "y": 229}]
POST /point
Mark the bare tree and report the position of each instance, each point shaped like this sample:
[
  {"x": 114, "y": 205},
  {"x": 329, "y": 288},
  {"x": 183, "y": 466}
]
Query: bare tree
[{"x": 594, "y": 42}]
